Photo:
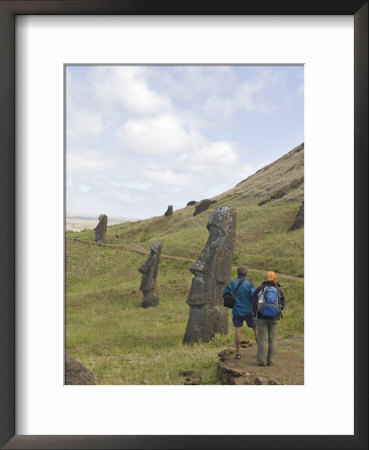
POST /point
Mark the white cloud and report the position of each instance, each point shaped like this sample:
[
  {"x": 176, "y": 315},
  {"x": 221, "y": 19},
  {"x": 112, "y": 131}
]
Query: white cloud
[
  {"x": 140, "y": 138},
  {"x": 252, "y": 95},
  {"x": 256, "y": 94},
  {"x": 84, "y": 188},
  {"x": 191, "y": 83},
  {"x": 158, "y": 135},
  {"x": 126, "y": 87},
  {"x": 218, "y": 106},
  {"x": 197, "y": 170},
  {"x": 90, "y": 162},
  {"x": 167, "y": 177},
  {"x": 83, "y": 123},
  {"x": 99, "y": 99},
  {"x": 217, "y": 155},
  {"x": 136, "y": 185}
]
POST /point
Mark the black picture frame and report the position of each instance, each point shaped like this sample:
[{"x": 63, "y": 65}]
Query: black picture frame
[{"x": 8, "y": 12}]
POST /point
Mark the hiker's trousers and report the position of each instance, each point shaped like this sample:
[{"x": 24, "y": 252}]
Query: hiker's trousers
[{"x": 267, "y": 339}]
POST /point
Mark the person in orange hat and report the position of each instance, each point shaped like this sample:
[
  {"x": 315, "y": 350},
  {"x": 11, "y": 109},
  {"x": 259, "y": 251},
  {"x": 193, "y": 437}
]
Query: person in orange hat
[{"x": 267, "y": 303}]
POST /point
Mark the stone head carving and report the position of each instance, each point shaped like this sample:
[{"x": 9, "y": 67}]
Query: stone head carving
[
  {"x": 149, "y": 268},
  {"x": 212, "y": 269},
  {"x": 100, "y": 228}
]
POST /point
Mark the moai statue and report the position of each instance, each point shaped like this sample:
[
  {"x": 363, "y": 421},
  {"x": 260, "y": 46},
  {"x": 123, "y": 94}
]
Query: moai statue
[
  {"x": 149, "y": 270},
  {"x": 169, "y": 211},
  {"x": 100, "y": 229},
  {"x": 299, "y": 222},
  {"x": 203, "y": 206},
  {"x": 212, "y": 271}
]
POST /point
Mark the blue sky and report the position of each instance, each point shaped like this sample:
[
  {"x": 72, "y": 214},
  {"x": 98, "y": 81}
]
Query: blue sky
[{"x": 140, "y": 138}]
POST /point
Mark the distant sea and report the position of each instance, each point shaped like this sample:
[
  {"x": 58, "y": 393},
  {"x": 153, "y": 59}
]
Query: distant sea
[{"x": 78, "y": 222}]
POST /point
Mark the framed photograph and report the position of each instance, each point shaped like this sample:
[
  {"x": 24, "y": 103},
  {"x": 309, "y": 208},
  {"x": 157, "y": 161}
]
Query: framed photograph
[{"x": 110, "y": 88}]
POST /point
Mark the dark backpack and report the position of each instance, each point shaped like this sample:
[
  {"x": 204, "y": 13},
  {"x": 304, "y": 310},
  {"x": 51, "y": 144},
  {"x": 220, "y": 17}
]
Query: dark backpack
[
  {"x": 268, "y": 303},
  {"x": 229, "y": 299}
]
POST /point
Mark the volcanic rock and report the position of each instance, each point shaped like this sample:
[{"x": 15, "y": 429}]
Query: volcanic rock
[
  {"x": 212, "y": 271},
  {"x": 77, "y": 373},
  {"x": 149, "y": 271},
  {"x": 203, "y": 206}
]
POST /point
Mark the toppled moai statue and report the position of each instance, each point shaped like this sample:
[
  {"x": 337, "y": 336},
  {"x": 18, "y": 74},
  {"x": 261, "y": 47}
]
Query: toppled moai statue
[
  {"x": 212, "y": 271},
  {"x": 299, "y": 222},
  {"x": 203, "y": 206},
  {"x": 192, "y": 203},
  {"x": 169, "y": 211},
  {"x": 149, "y": 270},
  {"x": 100, "y": 229}
]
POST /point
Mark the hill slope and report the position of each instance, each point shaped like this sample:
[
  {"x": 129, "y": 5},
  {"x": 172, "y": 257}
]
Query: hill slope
[
  {"x": 122, "y": 343},
  {"x": 267, "y": 204}
]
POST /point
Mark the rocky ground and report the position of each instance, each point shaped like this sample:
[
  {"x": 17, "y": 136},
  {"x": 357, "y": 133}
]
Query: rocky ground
[{"x": 288, "y": 367}]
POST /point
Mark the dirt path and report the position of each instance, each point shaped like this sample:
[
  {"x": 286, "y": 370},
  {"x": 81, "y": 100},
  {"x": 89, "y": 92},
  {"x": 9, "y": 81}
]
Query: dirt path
[
  {"x": 139, "y": 249},
  {"x": 288, "y": 367}
]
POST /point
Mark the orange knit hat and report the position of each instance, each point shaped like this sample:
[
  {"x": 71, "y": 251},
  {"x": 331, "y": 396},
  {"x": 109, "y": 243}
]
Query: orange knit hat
[{"x": 271, "y": 276}]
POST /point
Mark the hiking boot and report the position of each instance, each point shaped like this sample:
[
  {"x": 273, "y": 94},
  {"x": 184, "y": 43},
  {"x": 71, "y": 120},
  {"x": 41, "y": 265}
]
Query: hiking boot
[
  {"x": 270, "y": 364},
  {"x": 262, "y": 364}
]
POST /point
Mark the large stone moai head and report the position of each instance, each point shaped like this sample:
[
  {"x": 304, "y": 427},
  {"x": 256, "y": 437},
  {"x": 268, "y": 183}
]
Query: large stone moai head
[
  {"x": 212, "y": 271},
  {"x": 149, "y": 271},
  {"x": 100, "y": 229}
]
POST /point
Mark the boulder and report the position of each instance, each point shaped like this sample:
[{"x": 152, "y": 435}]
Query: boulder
[{"x": 77, "y": 373}]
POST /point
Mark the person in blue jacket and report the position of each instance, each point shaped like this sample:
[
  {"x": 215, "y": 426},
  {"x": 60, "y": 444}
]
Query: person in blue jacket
[{"x": 242, "y": 309}]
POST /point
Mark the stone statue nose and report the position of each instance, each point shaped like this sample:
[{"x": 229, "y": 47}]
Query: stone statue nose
[{"x": 198, "y": 267}]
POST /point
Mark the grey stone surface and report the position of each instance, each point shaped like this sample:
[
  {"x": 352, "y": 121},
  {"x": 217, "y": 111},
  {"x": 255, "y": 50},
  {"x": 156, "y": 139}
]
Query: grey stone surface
[
  {"x": 203, "y": 206},
  {"x": 299, "y": 222},
  {"x": 169, "y": 211},
  {"x": 100, "y": 229},
  {"x": 149, "y": 271},
  {"x": 192, "y": 203},
  {"x": 212, "y": 271},
  {"x": 77, "y": 373}
]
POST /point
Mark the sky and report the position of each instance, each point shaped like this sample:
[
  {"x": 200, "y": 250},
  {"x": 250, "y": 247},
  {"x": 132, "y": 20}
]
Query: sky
[{"x": 140, "y": 138}]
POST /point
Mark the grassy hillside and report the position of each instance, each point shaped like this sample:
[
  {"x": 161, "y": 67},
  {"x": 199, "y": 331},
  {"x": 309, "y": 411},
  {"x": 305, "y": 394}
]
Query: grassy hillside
[
  {"x": 262, "y": 241},
  {"x": 121, "y": 342},
  {"x": 108, "y": 331}
]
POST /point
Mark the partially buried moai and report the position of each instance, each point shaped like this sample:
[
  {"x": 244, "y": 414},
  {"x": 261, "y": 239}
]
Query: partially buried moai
[
  {"x": 100, "y": 229},
  {"x": 212, "y": 271},
  {"x": 149, "y": 272}
]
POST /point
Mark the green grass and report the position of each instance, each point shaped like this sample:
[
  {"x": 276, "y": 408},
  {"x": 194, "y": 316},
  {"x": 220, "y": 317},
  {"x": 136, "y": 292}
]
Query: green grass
[
  {"x": 121, "y": 342},
  {"x": 262, "y": 241},
  {"x": 125, "y": 344}
]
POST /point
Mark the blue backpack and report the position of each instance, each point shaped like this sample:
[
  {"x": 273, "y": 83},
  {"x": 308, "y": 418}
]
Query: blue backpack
[{"x": 268, "y": 304}]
